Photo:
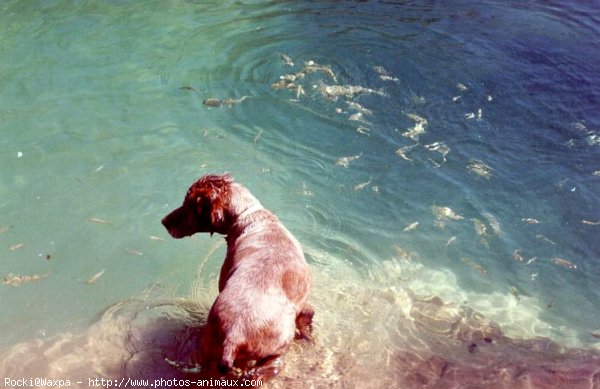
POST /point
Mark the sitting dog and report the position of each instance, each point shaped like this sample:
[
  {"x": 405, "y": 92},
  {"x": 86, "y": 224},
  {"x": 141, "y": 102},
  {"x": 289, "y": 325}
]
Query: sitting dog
[{"x": 263, "y": 284}]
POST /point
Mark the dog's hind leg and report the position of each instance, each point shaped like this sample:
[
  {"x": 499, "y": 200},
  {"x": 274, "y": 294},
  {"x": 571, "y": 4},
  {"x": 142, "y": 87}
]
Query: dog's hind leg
[
  {"x": 304, "y": 323},
  {"x": 266, "y": 368}
]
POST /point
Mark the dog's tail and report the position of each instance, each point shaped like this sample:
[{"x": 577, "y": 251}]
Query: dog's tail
[{"x": 230, "y": 351}]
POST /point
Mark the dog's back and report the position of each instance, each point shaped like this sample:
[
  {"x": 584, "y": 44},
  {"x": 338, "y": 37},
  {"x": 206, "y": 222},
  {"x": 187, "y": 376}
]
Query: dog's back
[{"x": 264, "y": 285}]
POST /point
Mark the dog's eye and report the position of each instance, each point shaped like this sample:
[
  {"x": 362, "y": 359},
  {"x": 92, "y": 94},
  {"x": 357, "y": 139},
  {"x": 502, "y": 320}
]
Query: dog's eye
[{"x": 199, "y": 202}]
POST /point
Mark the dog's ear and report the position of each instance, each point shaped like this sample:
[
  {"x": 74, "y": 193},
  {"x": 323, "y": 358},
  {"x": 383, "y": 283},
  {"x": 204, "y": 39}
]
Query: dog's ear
[
  {"x": 210, "y": 202},
  {"x": 217, "y": 214},
  {"x": 211, "y": 194}
]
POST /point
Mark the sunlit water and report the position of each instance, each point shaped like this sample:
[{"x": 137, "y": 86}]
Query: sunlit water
[{"x": 490, "y": 110}]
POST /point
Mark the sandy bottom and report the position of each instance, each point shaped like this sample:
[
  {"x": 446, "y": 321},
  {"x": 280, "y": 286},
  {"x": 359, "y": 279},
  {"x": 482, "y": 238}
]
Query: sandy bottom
[{"x": 374, "y": 331}]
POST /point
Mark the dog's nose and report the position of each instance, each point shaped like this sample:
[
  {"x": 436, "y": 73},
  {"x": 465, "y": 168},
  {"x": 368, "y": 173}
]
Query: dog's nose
[
  {"x": 168, "y": 223},
  {"x": 164, "y": 222}
]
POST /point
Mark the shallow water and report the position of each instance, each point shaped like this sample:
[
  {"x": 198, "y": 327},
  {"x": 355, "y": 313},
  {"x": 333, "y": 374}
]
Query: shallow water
[{"x": 488, "y": 109}]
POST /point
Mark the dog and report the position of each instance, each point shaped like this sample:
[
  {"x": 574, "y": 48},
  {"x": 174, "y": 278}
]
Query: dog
[{"x": 263, "y": 284}]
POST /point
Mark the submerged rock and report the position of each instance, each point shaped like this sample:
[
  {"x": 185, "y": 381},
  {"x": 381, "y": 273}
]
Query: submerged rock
[{"x": 370, "y": 331}]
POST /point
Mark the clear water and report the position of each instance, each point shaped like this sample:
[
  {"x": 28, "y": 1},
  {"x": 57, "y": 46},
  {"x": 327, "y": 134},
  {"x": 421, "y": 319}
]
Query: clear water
[{"x": 103, "y": 129}]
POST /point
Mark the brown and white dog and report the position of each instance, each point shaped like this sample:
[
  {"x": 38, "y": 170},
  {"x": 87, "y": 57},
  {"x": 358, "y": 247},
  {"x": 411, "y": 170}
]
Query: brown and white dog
[{"x": 263, "y": 284}]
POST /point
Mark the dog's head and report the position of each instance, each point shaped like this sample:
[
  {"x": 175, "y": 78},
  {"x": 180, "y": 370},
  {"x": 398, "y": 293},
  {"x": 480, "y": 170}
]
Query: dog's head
[{"x": 204, "y": 208}]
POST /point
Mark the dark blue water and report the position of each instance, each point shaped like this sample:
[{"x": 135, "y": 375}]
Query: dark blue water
[{"x": 487, "y": 110}]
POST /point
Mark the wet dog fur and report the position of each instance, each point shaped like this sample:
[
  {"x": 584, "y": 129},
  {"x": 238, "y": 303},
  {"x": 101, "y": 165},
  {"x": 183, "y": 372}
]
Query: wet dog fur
[{"x": 263, "y": 284}]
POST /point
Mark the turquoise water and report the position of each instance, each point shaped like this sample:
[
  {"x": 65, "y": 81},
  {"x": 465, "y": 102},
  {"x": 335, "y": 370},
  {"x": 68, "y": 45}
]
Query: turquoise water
[{"x": 103, "y": 129}]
